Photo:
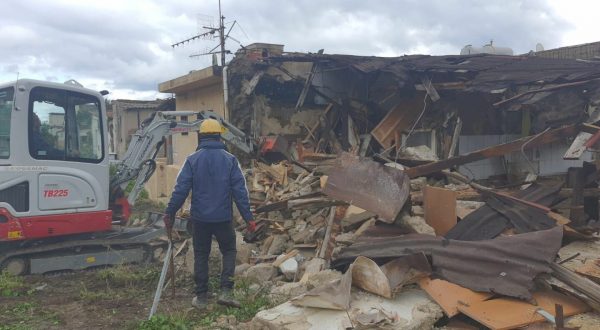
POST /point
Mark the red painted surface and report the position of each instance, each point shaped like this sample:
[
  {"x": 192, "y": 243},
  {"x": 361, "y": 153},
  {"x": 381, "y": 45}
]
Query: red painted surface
[
  {"x": 125, "y": 208},
  {"x": 53, "y": 225}
]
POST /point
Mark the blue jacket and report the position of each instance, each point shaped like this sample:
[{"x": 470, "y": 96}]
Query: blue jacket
[{"x": 215, "y": 177}]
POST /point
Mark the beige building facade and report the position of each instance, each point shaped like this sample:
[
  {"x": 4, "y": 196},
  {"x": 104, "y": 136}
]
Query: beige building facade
[
  {"x": 196, "y": 91},
  {"x": 127, "y": 117}
]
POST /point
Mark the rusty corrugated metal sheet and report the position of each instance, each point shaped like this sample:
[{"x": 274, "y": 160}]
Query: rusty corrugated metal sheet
[
  {"x": 500, "y": 213},
  {"x": 505, "y": 265},
  {"x": 369, "y": 185}
]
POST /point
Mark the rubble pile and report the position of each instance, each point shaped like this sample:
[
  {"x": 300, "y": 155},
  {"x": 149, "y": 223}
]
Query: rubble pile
[
  {"x": 366, "y": 218},
  {"x": 446, "y": 251}
]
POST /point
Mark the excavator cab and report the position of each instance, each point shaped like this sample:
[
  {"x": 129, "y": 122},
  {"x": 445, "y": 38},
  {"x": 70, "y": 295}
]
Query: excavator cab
[{"x": 54, "y": 169}]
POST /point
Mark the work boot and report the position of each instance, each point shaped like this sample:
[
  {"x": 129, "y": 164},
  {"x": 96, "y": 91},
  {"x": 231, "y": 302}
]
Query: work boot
[
  {"x": 226, "y": 299},
  {"x": 200, "y": 301}
]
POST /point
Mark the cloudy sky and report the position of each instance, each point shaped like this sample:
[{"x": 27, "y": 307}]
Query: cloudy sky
[{"x": 124, "y": 45}]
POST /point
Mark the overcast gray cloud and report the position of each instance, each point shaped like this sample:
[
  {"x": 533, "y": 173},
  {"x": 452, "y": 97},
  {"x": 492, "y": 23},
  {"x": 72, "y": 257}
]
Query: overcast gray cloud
[{"x": 124, "y": 46}]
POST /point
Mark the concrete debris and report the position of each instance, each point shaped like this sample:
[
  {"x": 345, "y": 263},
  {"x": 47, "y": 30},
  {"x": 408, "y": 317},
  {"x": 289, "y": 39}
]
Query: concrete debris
[
  {"x": 332, "y": 295},
  {"x": 260, "y": 273},
  {"x": 325, "y": 276},
  {"x": 289, "y": 290},
  {"x": 278, "y": 245},
  {"x": 411, "y": 309},
  {"x": 311, "y": 267},
  {"x": 289, "y": 268},
  {"x": 417, "y": 225},
  {"x": 241, "y": 269},
  {"x": 419, "y": 153}
]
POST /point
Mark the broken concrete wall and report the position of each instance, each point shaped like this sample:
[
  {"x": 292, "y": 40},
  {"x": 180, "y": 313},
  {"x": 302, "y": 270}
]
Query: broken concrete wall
[
  {"x": 489, "y": 95},
  {"x": 546, "y": 160},
  {"x": 273, "y": 119}
]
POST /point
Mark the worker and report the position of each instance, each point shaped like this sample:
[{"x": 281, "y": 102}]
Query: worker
[{"x": 214, "y": 176}]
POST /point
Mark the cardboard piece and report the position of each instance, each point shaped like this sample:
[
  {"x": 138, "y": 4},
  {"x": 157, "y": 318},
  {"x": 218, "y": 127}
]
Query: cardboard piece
[
  {"x": 440, "y": 209},
  {"x": 449, "y": 295},
  {"x": 509, "y": 313}
]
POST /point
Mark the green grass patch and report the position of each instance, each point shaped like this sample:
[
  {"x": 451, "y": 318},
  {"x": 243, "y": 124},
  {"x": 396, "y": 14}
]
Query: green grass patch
[
  {"x": 166, "y": 322},
  {"x": 26, "y": 315},
  {"x": 251, "y": 301},
  {"x": 129, "y": 276},
  {"x": 121, "y": 282},
  {"x": 10, "y": 285}
]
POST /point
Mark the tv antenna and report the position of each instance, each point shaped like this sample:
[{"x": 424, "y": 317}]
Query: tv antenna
[{"x": 209, "y": 33}]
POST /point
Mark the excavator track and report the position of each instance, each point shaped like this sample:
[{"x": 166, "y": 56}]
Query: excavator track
[{"x": 120, "y": 246}]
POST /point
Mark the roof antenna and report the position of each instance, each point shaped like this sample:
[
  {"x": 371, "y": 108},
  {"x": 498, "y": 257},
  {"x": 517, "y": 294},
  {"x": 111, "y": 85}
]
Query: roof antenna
[{"x": 212, "y": 32}]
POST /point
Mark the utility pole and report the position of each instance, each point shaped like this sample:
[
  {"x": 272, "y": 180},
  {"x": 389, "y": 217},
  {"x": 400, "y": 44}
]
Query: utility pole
[{"x": 222, "y": 35}]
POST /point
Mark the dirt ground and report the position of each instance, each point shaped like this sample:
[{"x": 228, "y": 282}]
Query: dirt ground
[{"x": 111, "y": 298}]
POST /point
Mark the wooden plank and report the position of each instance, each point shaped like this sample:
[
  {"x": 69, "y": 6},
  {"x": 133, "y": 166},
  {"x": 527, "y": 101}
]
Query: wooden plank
[
  {"x": 325, "y": 244},
  {"x": 440, "y": 208},
  {"x": 433, "y": 94},
  {"x": 576, "y": 180},
  {"x": 509, "y": 313},
  {"x": 455, "y": 138},
  {"x": 308, "y": 83},
  {"x": 445, "y": 85},
  {"x": 528, "y": 142},
  {"x": 449, "y": 295},
  {"x": 590, "y": 269},
  {"x": 389, "y": 129}
]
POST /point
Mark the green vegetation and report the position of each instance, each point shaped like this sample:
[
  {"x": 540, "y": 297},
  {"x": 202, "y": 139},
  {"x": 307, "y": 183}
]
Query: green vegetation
[
  {"x": 122, "y": 282},
  {"x": 26, "y": 316},
  {"x": 162, "y": 322},
  {"x": 251, "y": 300},
  {"x": 129, "y": 275},
  {"x": 10, "y": 285}
]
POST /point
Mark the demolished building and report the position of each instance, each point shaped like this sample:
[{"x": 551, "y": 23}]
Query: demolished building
[
  {"x": 358, "y": 131},
  {"x": 403, "y": 179},
  {"x": 450, "y": 104}
]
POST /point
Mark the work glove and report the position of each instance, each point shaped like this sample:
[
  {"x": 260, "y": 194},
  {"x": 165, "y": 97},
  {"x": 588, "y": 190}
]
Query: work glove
[
  {"x": 251, "y": 226},
  {"x": 169, "y": 220}
]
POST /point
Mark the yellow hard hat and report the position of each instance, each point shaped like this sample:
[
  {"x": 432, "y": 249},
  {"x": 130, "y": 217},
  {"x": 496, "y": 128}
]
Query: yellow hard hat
[{"x": 210, "y": 126}]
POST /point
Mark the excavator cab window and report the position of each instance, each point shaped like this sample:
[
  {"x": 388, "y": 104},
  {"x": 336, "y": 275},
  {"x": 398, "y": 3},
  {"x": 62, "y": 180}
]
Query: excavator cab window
[
  {"x": 6, "y": 105},
  {"x": 65, "y": 125}
]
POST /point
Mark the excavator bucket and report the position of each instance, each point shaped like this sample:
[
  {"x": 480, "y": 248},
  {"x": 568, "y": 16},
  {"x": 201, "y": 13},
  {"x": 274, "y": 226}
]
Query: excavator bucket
[{"x": 369, "y": 185}]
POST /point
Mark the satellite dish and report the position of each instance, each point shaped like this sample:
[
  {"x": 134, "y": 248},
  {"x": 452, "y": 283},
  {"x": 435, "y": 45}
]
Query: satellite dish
[{"x": 539, "y": 47}]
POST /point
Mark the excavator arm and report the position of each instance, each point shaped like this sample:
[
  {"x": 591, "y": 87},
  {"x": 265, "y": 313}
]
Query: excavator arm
[{"x": 138, "y": 163}]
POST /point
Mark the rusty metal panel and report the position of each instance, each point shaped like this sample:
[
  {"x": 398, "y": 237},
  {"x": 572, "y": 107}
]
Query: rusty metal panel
[
  {"x": 493, "y": 218},
  {"x": 369, "y": 185},
  {"x": 504, "y": 265}
]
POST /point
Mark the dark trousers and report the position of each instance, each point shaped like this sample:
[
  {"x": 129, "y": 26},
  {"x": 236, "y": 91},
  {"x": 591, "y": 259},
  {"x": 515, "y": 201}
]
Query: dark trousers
[{"x": 225, "y": 235}]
